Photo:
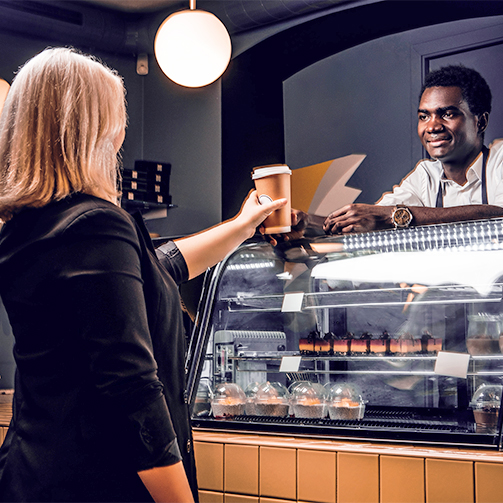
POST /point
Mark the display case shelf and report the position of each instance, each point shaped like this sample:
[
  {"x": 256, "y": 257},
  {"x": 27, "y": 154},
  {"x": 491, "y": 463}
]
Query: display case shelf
[{"x": 386, "y": 296}]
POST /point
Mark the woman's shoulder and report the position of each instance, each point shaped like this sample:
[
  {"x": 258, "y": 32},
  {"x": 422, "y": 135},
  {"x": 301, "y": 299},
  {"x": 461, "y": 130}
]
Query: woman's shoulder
[
  {"x": 86, "y": 216},
  {"x": 79, "y": 208},
  {"x": 77, "y": 215}
]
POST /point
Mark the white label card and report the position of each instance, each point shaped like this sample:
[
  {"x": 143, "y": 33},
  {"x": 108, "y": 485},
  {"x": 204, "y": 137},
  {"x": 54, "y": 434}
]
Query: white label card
[
  {"x": 290, "y": 364},
  {"x": 292, "y": 302},
  {"x": 452, "y": 364}
]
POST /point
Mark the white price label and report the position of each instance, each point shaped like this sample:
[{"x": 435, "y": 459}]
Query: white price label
[
  {"x": 292, "y": 302},
  {"x": 290, "y": 364},
  {"x": 452, "y": 364}
]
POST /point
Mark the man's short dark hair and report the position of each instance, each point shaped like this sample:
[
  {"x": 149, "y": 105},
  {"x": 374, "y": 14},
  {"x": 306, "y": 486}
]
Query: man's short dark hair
[{"x": 474, "y": 88}]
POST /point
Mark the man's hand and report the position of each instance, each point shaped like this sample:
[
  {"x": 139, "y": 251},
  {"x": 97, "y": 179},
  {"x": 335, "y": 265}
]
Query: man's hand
[
  {"x": 300, "y": 221},
  {"x": 358, "y": 218}
]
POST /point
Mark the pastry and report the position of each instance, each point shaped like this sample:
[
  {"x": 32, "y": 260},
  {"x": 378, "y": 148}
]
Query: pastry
[
  {"x": 322, "y": 346},
  {"x": 429, "y": 344},
  {"x": 307, "y": 344},
  {"x": 378, "y": 346},
  {"x": 361, "y": 345}
]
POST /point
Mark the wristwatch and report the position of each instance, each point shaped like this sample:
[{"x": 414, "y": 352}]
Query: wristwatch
[{"x": 401, "y": 217}]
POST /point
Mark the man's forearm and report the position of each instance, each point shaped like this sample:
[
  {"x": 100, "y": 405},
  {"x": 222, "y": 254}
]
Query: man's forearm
[
  {"x": 369, "y": 217},
  {"x": 424, "y": 216}
]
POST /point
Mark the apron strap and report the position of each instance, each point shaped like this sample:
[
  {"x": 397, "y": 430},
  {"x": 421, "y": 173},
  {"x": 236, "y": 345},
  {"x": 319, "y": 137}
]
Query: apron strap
[{"x": 485, "y": 154}]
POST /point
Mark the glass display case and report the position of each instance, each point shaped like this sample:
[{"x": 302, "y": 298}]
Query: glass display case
[{"x": 390, "y": 335}]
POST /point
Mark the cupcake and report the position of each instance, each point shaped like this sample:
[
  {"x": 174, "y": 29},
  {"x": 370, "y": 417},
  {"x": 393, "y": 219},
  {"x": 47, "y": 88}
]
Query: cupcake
[
  {"x": 307, "y": 344},
  {"x": 429, "y": 344},
  {"x": 323, "y": 345}
]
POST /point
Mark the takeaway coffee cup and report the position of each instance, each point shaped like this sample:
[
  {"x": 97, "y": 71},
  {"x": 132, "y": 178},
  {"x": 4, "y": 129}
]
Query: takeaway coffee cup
[{"x": 273, "y": 182}]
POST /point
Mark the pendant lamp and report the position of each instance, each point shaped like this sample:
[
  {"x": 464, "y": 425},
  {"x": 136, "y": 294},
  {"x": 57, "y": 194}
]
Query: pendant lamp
[{"x": 192, "y": 47}]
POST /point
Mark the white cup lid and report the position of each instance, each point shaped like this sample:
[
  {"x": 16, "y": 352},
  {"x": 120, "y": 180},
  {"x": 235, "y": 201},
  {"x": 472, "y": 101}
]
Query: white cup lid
[{"x": 279, "y": 169}]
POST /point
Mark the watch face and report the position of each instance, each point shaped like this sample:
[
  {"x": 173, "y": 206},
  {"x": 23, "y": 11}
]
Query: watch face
[{"x": 402, "y": 217}]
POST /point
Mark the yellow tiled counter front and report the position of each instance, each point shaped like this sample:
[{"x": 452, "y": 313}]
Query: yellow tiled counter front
[{"x": 235, "y": 468}]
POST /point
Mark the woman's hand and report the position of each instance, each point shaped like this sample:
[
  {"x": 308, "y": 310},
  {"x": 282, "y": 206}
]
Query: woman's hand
[
  {"x": 252, "y": 213},
  {"x": 208, "y": 247}
]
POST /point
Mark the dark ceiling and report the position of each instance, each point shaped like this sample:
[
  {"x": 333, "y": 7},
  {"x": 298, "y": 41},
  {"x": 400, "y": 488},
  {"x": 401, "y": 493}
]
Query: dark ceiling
[
  {"x": 129, "y": 26},
  {"x": 237, "y": 15}
]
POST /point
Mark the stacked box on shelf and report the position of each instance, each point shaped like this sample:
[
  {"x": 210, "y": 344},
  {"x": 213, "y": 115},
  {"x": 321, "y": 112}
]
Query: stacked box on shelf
[{"x": 147, "y": 184}]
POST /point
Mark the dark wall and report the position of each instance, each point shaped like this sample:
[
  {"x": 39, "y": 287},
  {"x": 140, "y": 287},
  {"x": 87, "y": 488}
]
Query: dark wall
[
  {"x": 253, "y": 119},
  {"x": 166, "y": 123}
]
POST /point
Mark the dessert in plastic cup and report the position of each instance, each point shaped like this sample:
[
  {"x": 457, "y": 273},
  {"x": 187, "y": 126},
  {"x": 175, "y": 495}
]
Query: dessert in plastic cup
[
  {"x": 345, "y": 401},
  {"x": 486, "y": 403},
  {"x": 308, "y": 400},
  {"x": 272, "y": 183},
  {"x": 346, "y": 409},
  {"x": 486, "y": 420},
  {"x": 272, "y": 399},
  {"x": 228, "y": 400}
]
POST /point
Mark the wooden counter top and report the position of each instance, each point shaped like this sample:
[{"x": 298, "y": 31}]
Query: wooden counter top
[{"x": 294, "y": 442}]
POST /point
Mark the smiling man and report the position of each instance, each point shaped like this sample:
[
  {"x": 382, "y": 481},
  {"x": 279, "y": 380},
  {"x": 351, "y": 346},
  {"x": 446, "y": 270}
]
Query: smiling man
[{"x": 463, "y": 180}]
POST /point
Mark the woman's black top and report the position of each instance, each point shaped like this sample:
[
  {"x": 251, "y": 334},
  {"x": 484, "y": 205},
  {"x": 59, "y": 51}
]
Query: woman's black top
[{"x": 99, "y": 349}]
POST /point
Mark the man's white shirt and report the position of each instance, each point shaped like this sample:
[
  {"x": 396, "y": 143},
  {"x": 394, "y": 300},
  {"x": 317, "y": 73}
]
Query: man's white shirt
[{"x": 420, "y": 186}]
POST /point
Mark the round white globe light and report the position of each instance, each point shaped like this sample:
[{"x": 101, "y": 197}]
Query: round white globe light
[{"x": 192, "y": 47}]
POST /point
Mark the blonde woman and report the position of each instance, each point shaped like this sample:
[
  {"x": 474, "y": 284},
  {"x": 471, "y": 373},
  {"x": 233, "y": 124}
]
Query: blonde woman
[{"x": 99, "y": 413}]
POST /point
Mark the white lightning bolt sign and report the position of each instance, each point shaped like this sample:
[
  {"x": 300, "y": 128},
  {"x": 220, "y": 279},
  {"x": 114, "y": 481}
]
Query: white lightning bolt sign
[{"x": 332, "y": 192}]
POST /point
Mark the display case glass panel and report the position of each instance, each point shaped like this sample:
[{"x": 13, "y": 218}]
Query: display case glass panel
[{"x": 390, "y": 335}]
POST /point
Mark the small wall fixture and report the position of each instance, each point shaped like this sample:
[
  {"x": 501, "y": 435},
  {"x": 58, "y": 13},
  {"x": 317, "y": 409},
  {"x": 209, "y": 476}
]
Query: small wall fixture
[{"x": 193, "y": 47}]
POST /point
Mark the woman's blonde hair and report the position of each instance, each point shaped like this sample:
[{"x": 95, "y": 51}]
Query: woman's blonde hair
[{"x": 58, "y": 131}]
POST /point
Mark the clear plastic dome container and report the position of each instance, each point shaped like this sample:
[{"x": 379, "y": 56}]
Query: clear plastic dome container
[
  {"x": 486, "y": 402},
  {"x": 345, "y": 402},
  {"x": 251, "y": 392},
  {"x": 308, "y": 401},
  {"x": 202, "y": 404},
  {"x": 228, "y": 400},
  {"x": 272, "y": 399},
  {"x": 292, "y": 386},
  {"x": 322, "y": 391}
]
